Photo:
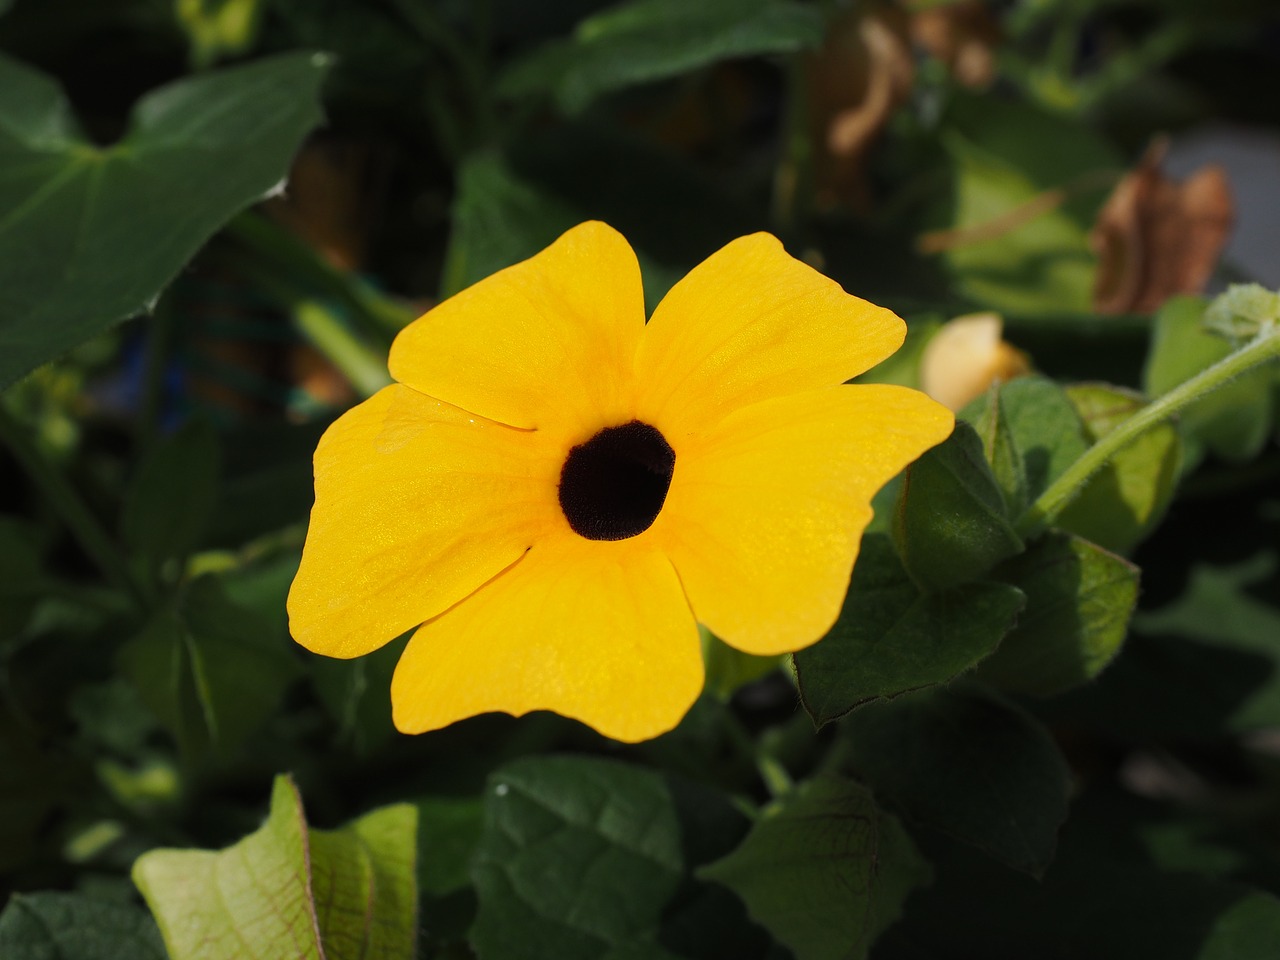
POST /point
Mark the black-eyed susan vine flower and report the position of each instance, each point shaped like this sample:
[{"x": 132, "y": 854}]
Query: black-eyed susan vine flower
[{"x": 554, "y": 492}]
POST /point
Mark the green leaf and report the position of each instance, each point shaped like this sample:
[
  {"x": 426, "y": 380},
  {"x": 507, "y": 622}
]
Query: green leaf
[
  {"x": 91, "y": 235},
  {"x": 728, "y": 669},
  {"x": 647, "y": 40},
  {"x": 1233, "y": 609},
  {"x": 71, "y": 926},
  {"x": 890, "y": 639},
  {"x": 498, "y": 220},
  {"x": 285, "y": 890},
  {"x": 172, "y": 496},
  {"x": 825, "y": 871},
  {"x": 1000, "y": 447},
  {"x": 1079, "y": 601},
  {"x": 1126, "y": 499},
  {"x": 970, "y": 766},
  {"x": 1103, "y": 899},
  {"x": 577, "y": 859},
  {"x": 1044, "y": 425},
  {"x": 211, "y": 671},
  {"x": 1028, "y": 251},
  {"x": 448, "y": 831},
  {"x": 1232, "y": 422},
  {"x": 950, "y": 524},
  {"x": 218, "y": 28},
  {"x": 362, "y": 882}
]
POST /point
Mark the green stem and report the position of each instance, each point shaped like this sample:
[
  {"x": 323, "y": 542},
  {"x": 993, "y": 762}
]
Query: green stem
[
  {"x": 364, "y": 367},
  {"x": 366, "y": 370},
  {"x": 378, "y": 314},
  {"x": 74, "y": 512},
  {"x": 1264, "y": 347}
]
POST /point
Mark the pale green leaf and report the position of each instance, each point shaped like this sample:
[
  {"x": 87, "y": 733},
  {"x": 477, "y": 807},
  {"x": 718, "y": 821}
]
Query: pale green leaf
[
  {"x": 1125, "y": 500},
  {"x": 286, "y": 891}
]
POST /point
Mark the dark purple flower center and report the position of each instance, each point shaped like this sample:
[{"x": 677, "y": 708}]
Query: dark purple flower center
[{"x": 613, "y": 486}]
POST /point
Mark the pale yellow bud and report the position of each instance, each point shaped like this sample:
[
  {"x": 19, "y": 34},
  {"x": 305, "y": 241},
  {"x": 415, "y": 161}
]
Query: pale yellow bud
[{"x": 965, "y": 357}]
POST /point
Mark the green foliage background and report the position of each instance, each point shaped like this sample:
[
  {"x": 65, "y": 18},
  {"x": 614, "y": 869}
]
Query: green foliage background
[{"x": 1016, "y": 742}]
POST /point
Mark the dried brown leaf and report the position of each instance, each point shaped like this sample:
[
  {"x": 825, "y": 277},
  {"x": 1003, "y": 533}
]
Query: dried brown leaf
[{"x": 1156, "y": 238}]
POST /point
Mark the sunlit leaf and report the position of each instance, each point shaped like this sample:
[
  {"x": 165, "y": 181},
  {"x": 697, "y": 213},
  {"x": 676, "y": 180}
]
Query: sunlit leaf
[
  {"x": 1079, "y": 601},
  {"x": 286, "y": 890},
  {"x": 1025, "y": 185},
  {"x": 1234, "y": 421},
  {"x": 1124, "y": 500}
]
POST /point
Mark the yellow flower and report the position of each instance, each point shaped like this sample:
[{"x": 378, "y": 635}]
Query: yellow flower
[{"x": 555, "y": 492}]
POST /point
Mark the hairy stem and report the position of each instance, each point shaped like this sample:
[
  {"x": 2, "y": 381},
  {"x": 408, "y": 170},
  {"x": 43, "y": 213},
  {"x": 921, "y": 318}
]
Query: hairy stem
[{"x": 1264, "y": 347}]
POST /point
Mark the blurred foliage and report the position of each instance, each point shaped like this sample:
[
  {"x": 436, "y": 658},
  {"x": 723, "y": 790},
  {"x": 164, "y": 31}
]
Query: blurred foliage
[{"x": 215, "y": 215}]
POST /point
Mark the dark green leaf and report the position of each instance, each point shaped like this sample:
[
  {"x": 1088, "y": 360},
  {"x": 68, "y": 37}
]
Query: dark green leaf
[
  {"x": 91, "y": 235},
  {"x": 647, "y": 40},
  {"x": 1046, "y": 430},
  {"x": 950, "y": 524},
  {"x": 1234, "y": 421},
  {"x": 1079, "y": 601},
  {"x": 172, "y": 495},
  {"x": 285, "y": 890},
  {"x": 356, "y": 693},
  {"x": 1000, "y": 447},
  {"x": 211, "y": 671},
  {"x": 1235, "y": 610},
  {"x": 577, "y": 859},
  {"x": 498, "y": 220},
  {"x": 1123, "y": 501},
  {"x": 1104, "y": 898},
  {"x": 969, "y": 766},
  {"x": 826, "y": 871},
  {"x": 71, "y": 926},
  {"x": 448, "y": 832},
  {"x": 890, "y": 639},
  {"x": 728, "y": 669}
]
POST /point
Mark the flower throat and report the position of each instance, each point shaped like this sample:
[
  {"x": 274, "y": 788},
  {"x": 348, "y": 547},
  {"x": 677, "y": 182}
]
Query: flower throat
[{"x": 613, "y": 486}]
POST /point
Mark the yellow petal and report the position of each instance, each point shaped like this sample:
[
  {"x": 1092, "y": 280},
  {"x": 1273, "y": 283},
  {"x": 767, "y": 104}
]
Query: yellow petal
[
  {"x": 597, "y": 631},
  {"x": 548, "y": 343},
  {"x": 417, "y": 504},
  {"x": 766, "y": 510},
  {"x": 750, "y": 323}
]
